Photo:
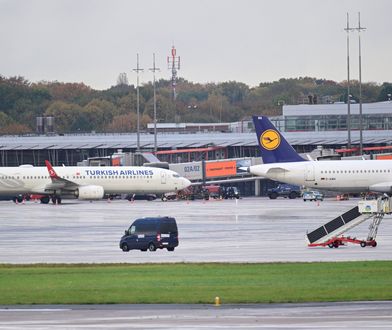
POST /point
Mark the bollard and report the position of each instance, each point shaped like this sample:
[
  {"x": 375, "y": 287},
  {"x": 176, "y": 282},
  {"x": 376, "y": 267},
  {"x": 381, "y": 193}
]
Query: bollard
[{"x": 217, "y": 302}]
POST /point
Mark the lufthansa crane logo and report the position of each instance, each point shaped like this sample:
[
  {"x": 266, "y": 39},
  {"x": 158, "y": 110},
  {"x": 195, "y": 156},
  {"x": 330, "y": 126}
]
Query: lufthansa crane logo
[{"x": 270, "y": 139}]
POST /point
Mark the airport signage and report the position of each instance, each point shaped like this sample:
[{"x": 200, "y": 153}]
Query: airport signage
[
  {"x": 191, "y": 171},
  {"x": 224, "y": 168}
]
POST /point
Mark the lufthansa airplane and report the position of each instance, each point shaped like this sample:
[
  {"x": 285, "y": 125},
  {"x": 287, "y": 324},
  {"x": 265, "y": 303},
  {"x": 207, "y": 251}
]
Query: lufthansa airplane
[
  {"x": 282, "y": 163},
  {"x": 87, "y": 183}
]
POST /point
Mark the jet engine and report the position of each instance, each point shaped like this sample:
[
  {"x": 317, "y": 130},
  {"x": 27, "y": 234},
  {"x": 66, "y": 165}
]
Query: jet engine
[{"x": 89, "y": 192}]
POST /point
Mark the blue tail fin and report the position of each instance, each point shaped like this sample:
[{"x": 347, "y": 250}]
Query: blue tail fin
[{"x": 273, "y": 146}]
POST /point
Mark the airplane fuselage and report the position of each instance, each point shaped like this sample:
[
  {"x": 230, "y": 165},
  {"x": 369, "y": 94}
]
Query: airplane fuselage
[
  {"x": 338, "y": 175},
  {"x": 114, "y": 180}
]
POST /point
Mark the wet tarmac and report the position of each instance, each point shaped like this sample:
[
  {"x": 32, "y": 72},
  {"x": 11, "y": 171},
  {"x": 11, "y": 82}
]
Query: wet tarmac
[
  {"x": 246, "y": 230},
  {"x": 355, "y": 315}
]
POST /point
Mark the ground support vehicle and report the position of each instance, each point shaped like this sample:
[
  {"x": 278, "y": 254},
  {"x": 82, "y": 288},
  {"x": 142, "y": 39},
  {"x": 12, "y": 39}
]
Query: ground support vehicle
[
  {"x": 284, "y": 190},
  {"x": 335, "y": 242},
  {"x": 150, "y": 234},
  {"x": 330, "y": 233},
  {"x": 312, "y": 195}
]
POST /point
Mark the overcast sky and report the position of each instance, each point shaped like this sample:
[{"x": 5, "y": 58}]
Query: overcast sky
[{"x": 250, "y": 41}]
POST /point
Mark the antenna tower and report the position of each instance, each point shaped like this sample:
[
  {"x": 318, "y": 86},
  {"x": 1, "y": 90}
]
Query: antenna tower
[{"x": 173, "y": 64}]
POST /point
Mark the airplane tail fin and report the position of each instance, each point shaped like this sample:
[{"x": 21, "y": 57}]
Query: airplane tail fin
[
  {"x": 273, "y": 146},
  {"x": 52, "y": 172}
]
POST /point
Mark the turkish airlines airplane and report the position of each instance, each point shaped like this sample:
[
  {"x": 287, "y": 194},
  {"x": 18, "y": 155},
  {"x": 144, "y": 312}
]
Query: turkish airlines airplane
[
  {"x": 282, "y": 163},
  {"x": 87, "y": 183}
]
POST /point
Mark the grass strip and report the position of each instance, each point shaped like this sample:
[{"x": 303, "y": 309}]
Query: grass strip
[{"x": 195, "y": 283}]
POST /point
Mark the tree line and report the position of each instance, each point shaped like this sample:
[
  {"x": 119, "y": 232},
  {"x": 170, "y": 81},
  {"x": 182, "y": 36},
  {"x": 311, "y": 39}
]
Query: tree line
[{"x": 79, "y": 108}]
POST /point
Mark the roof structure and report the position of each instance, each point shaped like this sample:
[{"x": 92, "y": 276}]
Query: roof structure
[
  {"x": 339, "y": 109},
  {"x": 181, "y": 141}
]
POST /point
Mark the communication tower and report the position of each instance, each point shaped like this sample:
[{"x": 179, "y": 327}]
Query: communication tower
[{"x": 173, "y": 64}]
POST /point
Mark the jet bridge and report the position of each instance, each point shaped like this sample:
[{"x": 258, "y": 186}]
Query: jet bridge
[{"x": 330, "y": 233}]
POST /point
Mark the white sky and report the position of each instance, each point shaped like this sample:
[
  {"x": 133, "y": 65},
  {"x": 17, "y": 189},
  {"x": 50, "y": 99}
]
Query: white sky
[{"x": 250, "y": 41}]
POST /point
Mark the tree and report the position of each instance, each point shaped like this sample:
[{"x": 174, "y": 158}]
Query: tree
[
  {"x": 5, "y": 120},
  {"x": 66, "y": 115},
  {"x": 15, "y": 128},
  {"x": 123, "y": 123},
  {"x": 234, "y": 91},
  {"x": 122, "y": 79},
  {"x": 100, "y": 113},
  {"x": 165, "y": 109},
  {"x": 385, "y": 92}
]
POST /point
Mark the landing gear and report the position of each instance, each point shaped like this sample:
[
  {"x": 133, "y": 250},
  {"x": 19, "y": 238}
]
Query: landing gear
[
  {"x": 56, "y": 199},
  {"x": 44, "y": 199}
]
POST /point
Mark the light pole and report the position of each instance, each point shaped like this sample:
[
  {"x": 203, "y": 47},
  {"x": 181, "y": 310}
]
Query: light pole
[
  {"x": 154, "y": 69},
  {"x": 137, "y": 70},
  {"x": 359, "y": 29},
  {"x": 348, "y": 29}
]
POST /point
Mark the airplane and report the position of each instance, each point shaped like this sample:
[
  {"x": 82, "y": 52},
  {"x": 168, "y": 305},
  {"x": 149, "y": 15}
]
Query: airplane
[
  {"x": 282, "y": 163},
  {"x": 87, "y": 183}
]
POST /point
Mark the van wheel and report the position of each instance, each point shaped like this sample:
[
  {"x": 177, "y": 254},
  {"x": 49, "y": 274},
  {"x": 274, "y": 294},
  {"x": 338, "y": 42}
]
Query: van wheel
[
  {"x": 125, "y": 247},
  {"x": 151, "y": 247},
  {"x": 170, "y": 248}
]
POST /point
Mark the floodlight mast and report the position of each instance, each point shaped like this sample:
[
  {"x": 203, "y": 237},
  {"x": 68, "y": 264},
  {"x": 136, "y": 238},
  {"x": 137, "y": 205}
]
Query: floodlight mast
[
  {"x": 154, "y": 69},
  {"x": 348, "y": 30},
  {"x": 360, "y": 29},
  {"x": 137, "y": 70}
]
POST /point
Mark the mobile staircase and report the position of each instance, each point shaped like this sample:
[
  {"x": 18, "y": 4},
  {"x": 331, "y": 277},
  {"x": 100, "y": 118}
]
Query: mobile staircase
[{"x": 330, "y": 234}]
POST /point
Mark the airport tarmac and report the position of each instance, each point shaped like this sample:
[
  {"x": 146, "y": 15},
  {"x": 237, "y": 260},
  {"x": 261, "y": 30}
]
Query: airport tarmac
[
  {"x": 247, "y": 230},
  {"x": 347, "y": 315}
]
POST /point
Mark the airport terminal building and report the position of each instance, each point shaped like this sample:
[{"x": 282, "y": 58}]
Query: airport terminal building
[{"x": 307, "y": 127}]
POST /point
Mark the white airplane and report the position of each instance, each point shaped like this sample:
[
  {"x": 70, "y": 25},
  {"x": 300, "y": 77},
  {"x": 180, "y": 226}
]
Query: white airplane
[
  {"x": 282, "y": 163},
  {"x": 87, "y": 183}
]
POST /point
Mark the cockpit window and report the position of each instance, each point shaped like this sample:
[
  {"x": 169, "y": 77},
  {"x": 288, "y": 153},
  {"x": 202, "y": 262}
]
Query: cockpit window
[{"x": 176, "y": 176}]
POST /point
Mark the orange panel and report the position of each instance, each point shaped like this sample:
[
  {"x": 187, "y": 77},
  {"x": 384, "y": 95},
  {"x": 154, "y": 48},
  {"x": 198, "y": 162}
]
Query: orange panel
[
  {"x": 116, "y": 161},
  {"x": 221, "y": 169},
  {"x": 384, "y": 157}
]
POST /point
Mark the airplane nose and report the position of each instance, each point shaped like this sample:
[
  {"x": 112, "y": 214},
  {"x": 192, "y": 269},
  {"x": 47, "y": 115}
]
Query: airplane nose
[{"x": 186, "y": 183}]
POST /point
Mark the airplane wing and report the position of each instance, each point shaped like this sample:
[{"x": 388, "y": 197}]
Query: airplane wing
[{"x": 58, "y": 182}]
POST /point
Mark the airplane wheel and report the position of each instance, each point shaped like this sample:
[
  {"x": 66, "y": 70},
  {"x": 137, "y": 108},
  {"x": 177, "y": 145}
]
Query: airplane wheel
[
  {"x": 151, "y": 247},
  {"x": 125, "y": 247},
  {"x": 45, "y": 200}
]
